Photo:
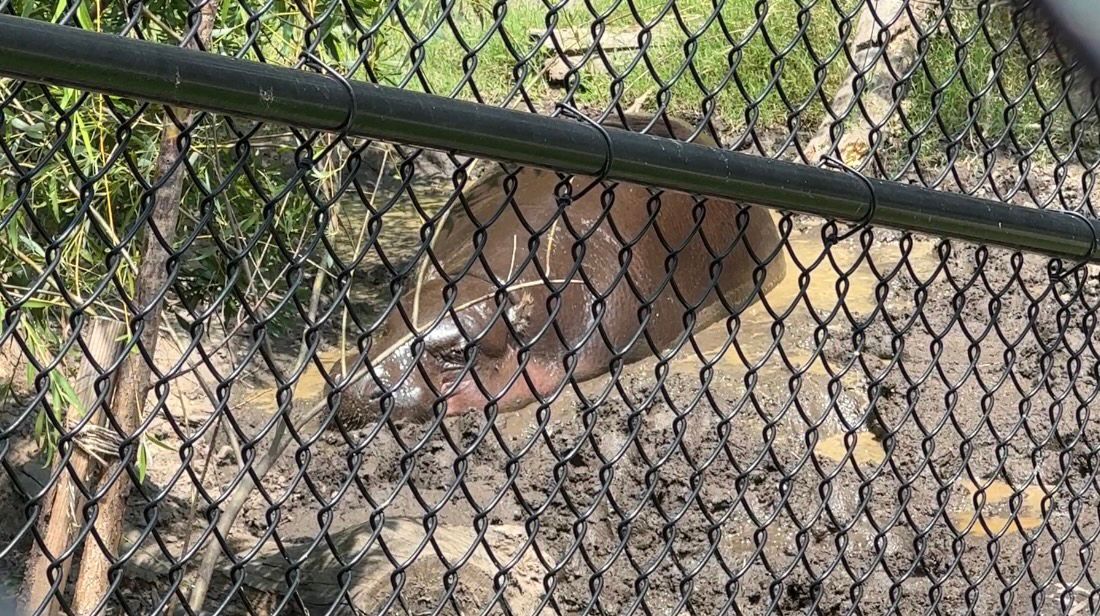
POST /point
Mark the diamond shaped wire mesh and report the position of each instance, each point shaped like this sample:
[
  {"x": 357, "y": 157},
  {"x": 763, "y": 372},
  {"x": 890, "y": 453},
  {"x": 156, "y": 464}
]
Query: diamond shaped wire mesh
[{"x": 833, "y": 421}]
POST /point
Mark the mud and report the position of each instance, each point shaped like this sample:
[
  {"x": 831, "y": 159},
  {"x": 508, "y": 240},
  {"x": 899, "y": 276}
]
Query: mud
[{"x": 906, "y": 431}]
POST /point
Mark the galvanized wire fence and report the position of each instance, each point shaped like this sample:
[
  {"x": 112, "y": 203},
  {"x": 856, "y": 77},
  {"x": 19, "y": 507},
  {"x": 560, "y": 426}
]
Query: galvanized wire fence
[{"x": 253, "y": 368}]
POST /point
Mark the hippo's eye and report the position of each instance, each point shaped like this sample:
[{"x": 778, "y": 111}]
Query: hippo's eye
[{"x": 452, "y": 356}]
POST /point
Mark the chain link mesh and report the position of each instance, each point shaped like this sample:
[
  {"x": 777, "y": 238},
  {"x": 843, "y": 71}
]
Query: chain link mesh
[{"x": 645, "y": 411}]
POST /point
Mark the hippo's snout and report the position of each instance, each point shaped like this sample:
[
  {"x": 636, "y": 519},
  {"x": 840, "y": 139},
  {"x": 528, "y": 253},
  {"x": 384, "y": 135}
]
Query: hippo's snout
[
  {"x": 464, "y": 362},
  {"x": 396, "y": 389}
]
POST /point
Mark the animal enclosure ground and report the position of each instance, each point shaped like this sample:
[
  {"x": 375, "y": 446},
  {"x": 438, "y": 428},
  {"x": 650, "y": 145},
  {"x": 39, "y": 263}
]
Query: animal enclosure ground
[{"x": 758, "y": 486}]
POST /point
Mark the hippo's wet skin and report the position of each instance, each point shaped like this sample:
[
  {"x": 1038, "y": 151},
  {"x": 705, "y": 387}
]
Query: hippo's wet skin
[{"x": 707, "y": 241}]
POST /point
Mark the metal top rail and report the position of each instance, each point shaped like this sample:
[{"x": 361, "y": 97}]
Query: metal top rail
[{"x": 67, "y": 56}]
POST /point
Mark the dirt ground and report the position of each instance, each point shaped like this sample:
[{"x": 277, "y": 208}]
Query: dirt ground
[{"x": 916, "y": 445}]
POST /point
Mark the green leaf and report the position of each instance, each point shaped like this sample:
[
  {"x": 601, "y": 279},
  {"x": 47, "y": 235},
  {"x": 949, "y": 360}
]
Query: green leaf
[
  {"x": 159, "y": 443},
  {"x": 58, "y": 10},
  {"x": 40, "y": 424},
  {"x": 66, "y": 389},
  {"x": 84, "y": 17},
  {"x": 32, "y": 246},
  {"x": 36, "y": 129},
  {"x": 68, "y": 97},
  {"x": 223, "y": 12},
  {"x": 331, "y": 45},
  {"x": 33, "y": 303},
  {"x": 82, "y": 128},
  {"x": 14, "y": 231},
  {"x": 142, "y": 461},
  {"x": 57, "y": 402}
]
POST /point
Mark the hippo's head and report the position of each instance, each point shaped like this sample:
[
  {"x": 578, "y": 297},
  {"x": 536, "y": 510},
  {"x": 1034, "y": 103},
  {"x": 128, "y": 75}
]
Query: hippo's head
[{"x": 468, "y": 355}]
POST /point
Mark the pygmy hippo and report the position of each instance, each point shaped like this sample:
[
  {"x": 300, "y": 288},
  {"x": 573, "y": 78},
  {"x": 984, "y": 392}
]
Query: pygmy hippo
[{"x": 664, "y": 264}]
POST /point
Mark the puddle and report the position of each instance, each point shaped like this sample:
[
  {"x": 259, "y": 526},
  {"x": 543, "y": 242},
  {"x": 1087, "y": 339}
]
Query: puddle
[
  {"x": 308, "y": 390},
  {"x": 737, "y": 543},
  {"x": 821, "y": 293},
  {"x": 754, "y": 334},
  {"x": 755, "y": 338},
  {"x": 867, "y": 451},
  {"x": 997, "y": 510}
]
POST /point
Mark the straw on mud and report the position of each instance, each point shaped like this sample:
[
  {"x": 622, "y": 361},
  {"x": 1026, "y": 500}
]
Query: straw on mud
[{"x": 550, "y": 244}]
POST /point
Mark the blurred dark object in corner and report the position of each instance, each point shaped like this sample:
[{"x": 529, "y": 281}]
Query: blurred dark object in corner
[{"x": 1077, "y": 23}]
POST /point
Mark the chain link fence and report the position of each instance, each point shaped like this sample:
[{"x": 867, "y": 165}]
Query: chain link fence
[{"x": 251, "y": 368}]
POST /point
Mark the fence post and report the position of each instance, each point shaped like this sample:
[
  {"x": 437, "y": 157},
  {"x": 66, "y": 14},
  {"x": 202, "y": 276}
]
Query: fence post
[{"x": 65, "y": 498}]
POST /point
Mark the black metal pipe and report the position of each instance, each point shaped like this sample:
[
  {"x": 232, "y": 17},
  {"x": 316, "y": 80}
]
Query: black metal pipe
[{"x": 47, "y": 53}]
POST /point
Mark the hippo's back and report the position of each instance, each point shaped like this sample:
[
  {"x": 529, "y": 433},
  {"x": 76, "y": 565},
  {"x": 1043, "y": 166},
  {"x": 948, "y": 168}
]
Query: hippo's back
[{"x": 636, "y": 260}]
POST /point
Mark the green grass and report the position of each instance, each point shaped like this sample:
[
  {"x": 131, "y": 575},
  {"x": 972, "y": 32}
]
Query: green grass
[
  {"x": 979, "y": 78},
  {"x": 768, "y": 64},
  {"x": 996, "y": 89},
  {"x": 727, "y": 60}
]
